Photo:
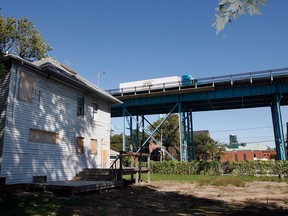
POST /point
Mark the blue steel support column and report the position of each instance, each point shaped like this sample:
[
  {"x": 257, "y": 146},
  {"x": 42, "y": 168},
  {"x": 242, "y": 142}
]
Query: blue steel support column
[
  {"x": 131, "y": 134},
  {"x": 143, "y": 132},
  {"x": 123, "y": 133},
  {"x": 137, "y": 133},
  {"x": 180, "y": 130},
  {"x": 191, "y": 151},
  {"x": 186, "y": 136},
  {"x": 278, "y": 128}
]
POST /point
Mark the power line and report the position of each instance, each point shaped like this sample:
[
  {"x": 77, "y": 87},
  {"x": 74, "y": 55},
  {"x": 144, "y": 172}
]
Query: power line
[
  {"x": 260, "y": 141},
  {"x": 248, "y": 137},
  {"x": 241, "y": 129}
]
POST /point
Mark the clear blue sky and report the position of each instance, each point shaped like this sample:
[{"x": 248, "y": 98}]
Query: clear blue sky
[{"x": 139, "y": 39}]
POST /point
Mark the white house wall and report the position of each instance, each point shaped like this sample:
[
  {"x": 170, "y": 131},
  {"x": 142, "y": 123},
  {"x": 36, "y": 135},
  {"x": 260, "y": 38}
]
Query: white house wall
[
  {"x": 53, "y": 109},
  {"x": 4, "y": 89}
]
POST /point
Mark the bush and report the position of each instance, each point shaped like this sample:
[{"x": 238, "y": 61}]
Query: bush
[{"x": 245, "y": 168}]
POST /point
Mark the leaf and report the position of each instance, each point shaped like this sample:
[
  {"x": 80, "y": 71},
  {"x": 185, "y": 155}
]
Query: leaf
[{"x": 228, "y": 9}]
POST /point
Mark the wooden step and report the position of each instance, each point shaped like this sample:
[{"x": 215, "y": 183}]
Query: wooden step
[{"x": 94, "y": 175}]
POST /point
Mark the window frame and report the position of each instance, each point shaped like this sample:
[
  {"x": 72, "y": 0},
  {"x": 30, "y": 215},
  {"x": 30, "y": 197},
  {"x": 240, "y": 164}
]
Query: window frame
[
  {"x": 95, "y": 109},
  {"x": 80, "y": 145},
  {"x": 80, "y": 105},
  {"x": 26, "y": 86}
]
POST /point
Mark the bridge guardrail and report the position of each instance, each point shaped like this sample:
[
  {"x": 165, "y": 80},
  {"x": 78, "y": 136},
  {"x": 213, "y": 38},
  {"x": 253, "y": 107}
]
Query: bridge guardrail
[{"x": 250, "y": 76}]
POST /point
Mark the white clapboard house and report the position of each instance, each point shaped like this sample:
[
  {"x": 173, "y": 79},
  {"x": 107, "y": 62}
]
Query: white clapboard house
[{"x": 53, "y": 122}]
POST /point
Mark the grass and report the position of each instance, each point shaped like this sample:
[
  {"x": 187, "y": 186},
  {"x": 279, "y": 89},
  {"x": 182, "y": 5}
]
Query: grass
[{"x": 238, "y": 181}]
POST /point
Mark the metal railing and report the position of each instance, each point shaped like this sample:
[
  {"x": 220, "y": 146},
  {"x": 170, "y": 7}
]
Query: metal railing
[{"x": 208, "y": 81}]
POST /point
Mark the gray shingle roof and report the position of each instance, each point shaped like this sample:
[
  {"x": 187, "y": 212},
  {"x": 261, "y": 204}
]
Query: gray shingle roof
[{"x": 54, "y": 69}]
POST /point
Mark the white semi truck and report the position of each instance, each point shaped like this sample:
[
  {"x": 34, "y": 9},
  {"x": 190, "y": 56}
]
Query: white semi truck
[{"x": 156, "y": 84}]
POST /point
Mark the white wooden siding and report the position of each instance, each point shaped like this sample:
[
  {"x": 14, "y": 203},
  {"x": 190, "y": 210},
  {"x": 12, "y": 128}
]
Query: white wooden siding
[
  {"x": 4, "y": 89},
  {"x": 54, "y": 109}
]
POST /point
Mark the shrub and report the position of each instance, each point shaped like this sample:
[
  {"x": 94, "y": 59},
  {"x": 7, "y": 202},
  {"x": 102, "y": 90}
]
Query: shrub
[{"x": 245, "y": 168}]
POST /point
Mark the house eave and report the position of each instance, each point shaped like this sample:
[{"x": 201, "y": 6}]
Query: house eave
[{"x": 52, "y": 71}]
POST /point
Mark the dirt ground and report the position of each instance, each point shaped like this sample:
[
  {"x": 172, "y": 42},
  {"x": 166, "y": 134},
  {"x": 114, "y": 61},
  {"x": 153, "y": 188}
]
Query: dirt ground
[{"x": 170, "y": 198}]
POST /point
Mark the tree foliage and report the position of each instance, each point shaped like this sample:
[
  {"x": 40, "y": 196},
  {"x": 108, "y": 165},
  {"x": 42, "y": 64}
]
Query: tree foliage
[
  {"x": 206, "y": 148},
  {"x": 116, "y": 142},
  {"x": 231, "y": 9},
  {"x": 20, "y": 37},
  {"x": 168, "y": 130}
]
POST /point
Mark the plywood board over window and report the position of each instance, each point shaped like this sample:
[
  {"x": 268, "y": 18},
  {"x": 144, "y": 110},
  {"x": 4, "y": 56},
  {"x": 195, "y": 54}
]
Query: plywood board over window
[
  {"x": 93, "y": 146},
  {"x": 105, "y": 157},
  {"x": 26, "y": 86},
  {"x": 41, "y": 136},
  {"x": 80, "y": 145}
]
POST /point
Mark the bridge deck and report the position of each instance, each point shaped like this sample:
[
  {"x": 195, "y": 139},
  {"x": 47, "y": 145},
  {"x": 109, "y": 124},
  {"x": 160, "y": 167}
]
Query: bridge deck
[{"x": 246, "y": 90}]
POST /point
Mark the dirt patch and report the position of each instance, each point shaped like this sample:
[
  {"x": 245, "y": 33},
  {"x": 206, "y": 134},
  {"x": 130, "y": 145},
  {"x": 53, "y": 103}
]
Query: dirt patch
[
  {"x": 157, "y": 198},
  {"x": 176, "y": 198},
  {"x": 275, "y": 193}
]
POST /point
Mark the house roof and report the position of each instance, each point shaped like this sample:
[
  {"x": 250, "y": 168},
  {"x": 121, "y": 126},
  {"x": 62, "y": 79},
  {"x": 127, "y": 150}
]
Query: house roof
[
  {"x": 202, "y": 132},
  {"x": 60, "y": 72},
  {"x": 112, "y": 152}
]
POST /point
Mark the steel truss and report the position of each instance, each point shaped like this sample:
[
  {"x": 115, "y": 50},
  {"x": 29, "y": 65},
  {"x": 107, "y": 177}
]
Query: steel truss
[{"x": 185, "y": 127}]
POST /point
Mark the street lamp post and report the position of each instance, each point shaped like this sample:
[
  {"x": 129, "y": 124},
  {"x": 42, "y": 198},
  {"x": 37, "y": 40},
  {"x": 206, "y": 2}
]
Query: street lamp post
[{"x": 99, "y": 72}]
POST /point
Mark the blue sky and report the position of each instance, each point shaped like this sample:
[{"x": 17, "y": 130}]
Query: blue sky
[{"x": 140, "y": 39}]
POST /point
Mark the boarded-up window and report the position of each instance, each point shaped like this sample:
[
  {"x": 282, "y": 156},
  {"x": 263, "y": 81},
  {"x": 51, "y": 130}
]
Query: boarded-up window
[
  {"x": 26, "y": 86},
  {"x": 43, "y": 136},
  {"x": 93, "y": 146},
  {"x": 80, "y": 145},
  {"x": 105, "y": 158},
  {"x": 80, "y": 106},
  {"x": 105, "y": 155},
  {"x": 236, "y": 157}
]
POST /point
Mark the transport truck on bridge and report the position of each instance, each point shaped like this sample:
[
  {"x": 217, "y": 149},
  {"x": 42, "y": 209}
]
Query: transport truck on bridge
[
  {"x": 187, "y": 82},
  {"x": 157, "y": 84}
]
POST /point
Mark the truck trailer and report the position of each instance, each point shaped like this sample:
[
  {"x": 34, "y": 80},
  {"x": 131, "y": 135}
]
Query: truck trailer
[{"x": 156, "y": 84}]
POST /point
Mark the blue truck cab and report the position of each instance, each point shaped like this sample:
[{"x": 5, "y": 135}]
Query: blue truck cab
[{"x": 187, "y": 80}]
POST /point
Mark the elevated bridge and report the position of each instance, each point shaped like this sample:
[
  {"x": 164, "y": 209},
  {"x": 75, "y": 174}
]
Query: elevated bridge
[{"x": 268, "y": 88}]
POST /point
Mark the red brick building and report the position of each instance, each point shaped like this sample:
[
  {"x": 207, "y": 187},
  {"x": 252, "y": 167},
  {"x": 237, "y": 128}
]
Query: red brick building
[{"x": 243, "y": 153}]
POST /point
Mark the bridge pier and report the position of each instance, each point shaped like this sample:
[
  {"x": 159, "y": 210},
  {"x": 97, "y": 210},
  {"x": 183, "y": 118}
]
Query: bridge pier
[
  {"x": 189, "y": 137},
  {"x": 140, "y": 124},
  {"x": 186, "y": 139},
  {"x": 183, "y": 147},
  {"x": 278, "y": 127},
  {"x": 185, "y": 121}
]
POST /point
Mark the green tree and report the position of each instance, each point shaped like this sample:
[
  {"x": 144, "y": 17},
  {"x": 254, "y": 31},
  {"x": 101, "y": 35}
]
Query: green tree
[
  {"x": 206, "y": 148},
  {"x": 168, "y": 130},
  {"x": 116, "y": 142},
  {"x": 20, "y": 37},
  {"x": 231, "y": 9}
]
